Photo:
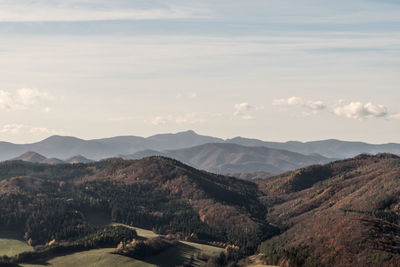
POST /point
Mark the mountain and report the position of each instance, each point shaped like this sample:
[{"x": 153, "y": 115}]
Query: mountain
[
  {"x": 78, "y": 159},
  {"x": 233, "y": 158},
  {"x": 66, "y": 146},
  {"x": 31, "y": 156},
  {"x": 345, "y": 213},
  {"x": 34, "y": 157},
  {"x": 331, "y": 148},
  {"x": 52, "y": 161}
]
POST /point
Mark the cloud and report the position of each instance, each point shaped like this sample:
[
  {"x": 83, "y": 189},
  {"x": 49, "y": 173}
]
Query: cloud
[
  {"x": 6, "y": 101},
  {"x": 15, "y": 11},
  {"x": 44, "y": 130},
  {"x": 29, "y": 96},
  {"x": 187, "y": 95},
  {"x": 315, "y": 105},
  {"x": 395, "y": 116},
  {"x": 298, "y": 101},
  {"x": 22, "y": 98},
  {"x": 12, "y": 128},
  {"x": 242, "y": 111},
  {"x": 16, "y": 129},
  {"x": 351, "y": 110},
  {"x": 190, "y": 118},
  {"x": 358, "y": 110}
]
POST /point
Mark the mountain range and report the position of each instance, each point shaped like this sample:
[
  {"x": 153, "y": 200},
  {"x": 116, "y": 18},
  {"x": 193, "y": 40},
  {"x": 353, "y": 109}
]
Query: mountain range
[
  {"x": 67, "y": 146},
  {"x": 238, "y": 156}
]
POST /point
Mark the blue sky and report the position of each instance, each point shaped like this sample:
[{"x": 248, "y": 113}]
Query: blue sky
[{"x": 274, "y": 70}]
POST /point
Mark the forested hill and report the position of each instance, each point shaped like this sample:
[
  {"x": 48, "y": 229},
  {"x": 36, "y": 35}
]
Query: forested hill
[
  {"x": 345, "y": 213},
  {"x": 46, "y": 202}
]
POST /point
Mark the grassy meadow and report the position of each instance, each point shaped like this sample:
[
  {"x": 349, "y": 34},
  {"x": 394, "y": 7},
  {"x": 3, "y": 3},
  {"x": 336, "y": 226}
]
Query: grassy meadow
[
  {"x": 12, "y": 243},
  {"x": 183, "y": 253}
]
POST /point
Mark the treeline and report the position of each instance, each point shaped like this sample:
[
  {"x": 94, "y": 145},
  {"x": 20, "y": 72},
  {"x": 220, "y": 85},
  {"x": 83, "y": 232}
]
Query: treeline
[
  {"x": 59, "y": 205},
  {"x": 109, "y": 236},
  {"x": 62, "y": 213},
  {"x": 140, "y": 249}
]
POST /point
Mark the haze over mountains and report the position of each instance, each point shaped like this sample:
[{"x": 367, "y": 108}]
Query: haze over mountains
[
  {"x": 34, "y": 157},
  {"x": 231, "y": 158},
  {"x": 236, "y": 155},
  {"x": 67, "y": 146}
]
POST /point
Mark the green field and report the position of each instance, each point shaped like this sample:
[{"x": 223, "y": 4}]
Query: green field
[
  {"x": 12, "y": 243},
  {"x": 102, "y": 257}
]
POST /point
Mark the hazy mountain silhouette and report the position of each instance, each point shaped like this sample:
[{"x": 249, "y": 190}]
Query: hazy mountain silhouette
[
  {"x": 233, "y": 158},
  {"x": 67, "y": 146},
  {"x": 331, "y": 148},
  {"x": 34, "y": 157},
  {"x": 31, "y": 156}
]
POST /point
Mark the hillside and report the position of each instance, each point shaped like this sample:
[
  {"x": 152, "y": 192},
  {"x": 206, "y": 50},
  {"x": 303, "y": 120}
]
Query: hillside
[
  {"x": 344, "y": 213},
  {"x": 49, "y": 202},
  {"x": 232, "y": 158}
]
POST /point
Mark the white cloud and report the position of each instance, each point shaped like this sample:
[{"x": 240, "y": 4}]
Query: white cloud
[
  {"x": 12, "y": 128},
  {"x": 315, "y": 105},
  {"x": 16, "y": 11},
  {"x": 187, "y": 95},
  {"x": 190, "y": 118},
  {"x": 6, "y": 101},
  {"x": 17, "y": 129},
  {"x": 29, "y": 96},
  {"x": 298, "y": 101},
  {"x": 44, "y": 130},
  {"x": 358, "y": 110},
  {"x": 242, "y": 111},
  {"x": 395, "y": 116},
  {"x": 22, "y": 98}
]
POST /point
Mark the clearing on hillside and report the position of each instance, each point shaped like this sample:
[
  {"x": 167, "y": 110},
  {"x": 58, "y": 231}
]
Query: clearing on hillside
[{"x": 12, "y": 243}]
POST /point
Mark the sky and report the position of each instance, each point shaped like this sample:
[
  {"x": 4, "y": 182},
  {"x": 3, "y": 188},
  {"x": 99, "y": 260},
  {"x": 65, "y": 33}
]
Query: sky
[{"x": 273, "y": 70}]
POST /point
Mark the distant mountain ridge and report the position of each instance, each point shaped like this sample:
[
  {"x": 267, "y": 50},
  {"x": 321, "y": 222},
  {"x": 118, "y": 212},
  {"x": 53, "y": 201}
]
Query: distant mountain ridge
[
  {"x": 234, "y": 158},
  {"x": 331, "y": 148},
  {"x": 34, "y": 157},
  {"x": 67, "y": 146}
]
